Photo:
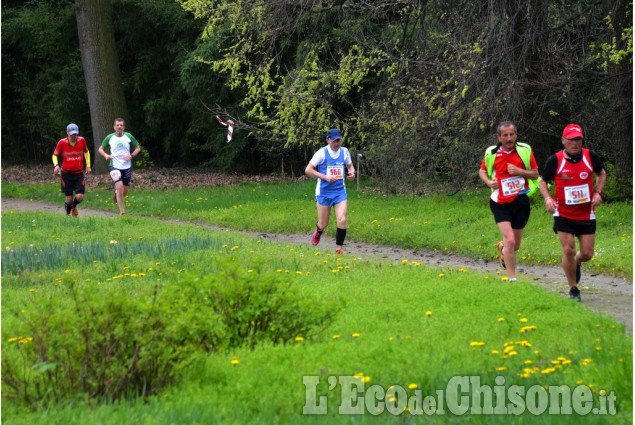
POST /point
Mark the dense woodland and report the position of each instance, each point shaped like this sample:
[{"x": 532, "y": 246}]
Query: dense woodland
[{"x": 417, "y": 87}]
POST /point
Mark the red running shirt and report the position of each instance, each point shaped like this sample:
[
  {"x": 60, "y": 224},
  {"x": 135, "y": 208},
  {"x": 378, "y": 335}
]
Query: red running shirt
[{"x": 72, "y": 157}]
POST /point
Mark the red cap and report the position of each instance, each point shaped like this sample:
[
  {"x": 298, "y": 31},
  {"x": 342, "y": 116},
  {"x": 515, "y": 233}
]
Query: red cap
[{"x": 572, "y": 131}]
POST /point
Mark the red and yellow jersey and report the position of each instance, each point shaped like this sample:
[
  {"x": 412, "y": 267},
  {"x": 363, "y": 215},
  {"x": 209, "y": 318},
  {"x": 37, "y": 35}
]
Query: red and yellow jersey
[
  {"x": 509, "y": 186},
  {"x": 72, "y": 157}
]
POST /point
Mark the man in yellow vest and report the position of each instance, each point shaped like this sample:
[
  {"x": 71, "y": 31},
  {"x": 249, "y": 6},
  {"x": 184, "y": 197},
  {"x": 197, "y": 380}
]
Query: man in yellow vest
[{"x": 507, "y": 168}]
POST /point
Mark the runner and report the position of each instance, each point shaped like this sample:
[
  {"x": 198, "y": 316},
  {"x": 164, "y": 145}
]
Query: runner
[
  {"x": 573, "y": 208},
  {"x": 506, "y": 169},
  {"x": 73, "y": 151},
  {"x": 328, "y": 166},
  {"x": 120, "y": 165}
]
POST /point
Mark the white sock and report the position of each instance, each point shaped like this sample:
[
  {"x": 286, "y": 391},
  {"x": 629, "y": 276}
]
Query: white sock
[{"x": 513, "y": 279}]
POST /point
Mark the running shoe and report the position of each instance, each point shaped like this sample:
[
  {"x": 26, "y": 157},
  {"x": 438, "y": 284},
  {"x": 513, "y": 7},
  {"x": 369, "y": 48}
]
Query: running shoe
[
  {"x": 315, "y": 239},
  {"x": 338, "y": 251},
  {"x": 578, "y": 273},
  {"x": 500, "y": 246},
  {"x": 74, "y": 212},
  {"x": 574, "y": 294}
]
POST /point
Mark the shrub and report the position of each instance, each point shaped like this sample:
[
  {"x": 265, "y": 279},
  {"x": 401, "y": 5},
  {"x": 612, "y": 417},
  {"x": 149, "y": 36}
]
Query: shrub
[
  {"x": 253, "y": 306},
  {"x": 108, "y": 342},
  {"x": 105, "y": 343}
]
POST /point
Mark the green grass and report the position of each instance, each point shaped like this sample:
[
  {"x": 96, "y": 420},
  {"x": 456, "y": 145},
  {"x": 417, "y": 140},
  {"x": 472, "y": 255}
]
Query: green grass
[
  {"x": 462, "y": 223},
  {"x": 383, "y": 332}
]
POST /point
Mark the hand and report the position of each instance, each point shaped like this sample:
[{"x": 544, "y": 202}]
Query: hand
[
  {"x": 551, "y": 205},
  {"x": 596, "y": 200},
  {"x": 513, "y": 170},
  {"x": 56, "y": 169},
  {"x": 88, "y": 170},
  {"x": 493, "y": 183},
  {"x": 351, "y": 176},
  {"x": 107, "y": 157}
]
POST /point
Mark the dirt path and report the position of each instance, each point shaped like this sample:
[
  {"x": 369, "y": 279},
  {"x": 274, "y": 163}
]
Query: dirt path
[{"x": 604, "y": 294}]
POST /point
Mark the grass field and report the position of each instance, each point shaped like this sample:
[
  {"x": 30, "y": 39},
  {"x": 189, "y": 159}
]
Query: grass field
[
  {"x": 398, "y": 328},
  {"x": 459, "y": 223}
]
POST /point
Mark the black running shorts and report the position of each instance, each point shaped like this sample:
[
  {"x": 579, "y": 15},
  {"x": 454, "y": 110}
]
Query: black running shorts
[
  {"x": 517, "y": 212},
  {"x": 73, "y": 183},
  {"x": 575, "y": 227}
]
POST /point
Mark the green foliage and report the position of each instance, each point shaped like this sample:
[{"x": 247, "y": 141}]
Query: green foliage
[
  {"x": 615, "y": 191},
  {"x": 104, "y": 344},
  {"x": 43, "y": 85},
  {"x": 253, "y": 306},
  {"x": 120, "y": 335}
]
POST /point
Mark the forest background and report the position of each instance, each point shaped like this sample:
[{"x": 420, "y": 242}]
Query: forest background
[{"x": 417, "y": 87}]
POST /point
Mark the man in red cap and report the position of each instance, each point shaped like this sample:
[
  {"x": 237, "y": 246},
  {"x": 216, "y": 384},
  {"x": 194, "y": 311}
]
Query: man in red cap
[
  {"x": 73, "y": 151},
  {"x": 574, "y": 201}
]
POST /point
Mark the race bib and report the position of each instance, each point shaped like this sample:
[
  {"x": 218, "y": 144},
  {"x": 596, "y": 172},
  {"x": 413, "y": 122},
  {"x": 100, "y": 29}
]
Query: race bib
[
  {"x": 574, "y": 195},
  {"x": 335, "y": 171},
  {"x": 512, "y": 185},
  {"x": 115, "y": 175}
]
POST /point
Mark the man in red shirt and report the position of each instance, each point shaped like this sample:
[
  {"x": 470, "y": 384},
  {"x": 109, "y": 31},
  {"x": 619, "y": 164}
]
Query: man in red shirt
[
  {"x": 73, "y": 151},
  {"x": 574, "y": 201},
  {"x": 506, "y": 169}
]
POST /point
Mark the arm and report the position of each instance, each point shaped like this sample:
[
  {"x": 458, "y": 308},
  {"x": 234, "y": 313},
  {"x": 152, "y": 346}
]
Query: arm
[
  {"x": 550, "y": 203},
  {"x": 133, "y": 143},
  {"x": 600, "y": 181},
  {"x": 490, "y": 183},
  {"x": 56, "y": 168},
  {"x": 516, "y": 171},
  {"x": 87, "y": 158},
  {"x": 351, "y": 171},
  {"x": 103, "y": 153},
  {"x": 135, "y": 152}
]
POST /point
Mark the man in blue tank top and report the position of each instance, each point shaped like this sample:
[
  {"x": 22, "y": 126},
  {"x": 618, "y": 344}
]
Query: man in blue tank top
[{"x": 329, "y": 166}]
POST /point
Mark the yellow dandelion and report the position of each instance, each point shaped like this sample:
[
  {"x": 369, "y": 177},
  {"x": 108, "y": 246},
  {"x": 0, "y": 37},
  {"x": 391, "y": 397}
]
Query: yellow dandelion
[
  {"x": 235, "y": 360},
  {"x": 336, "y": 336},
  {"x": 413, "y": 386},
  {"x": 299, "y": 338},
  {"x": 428, "y": 313},
  {"x": 441, "y": 274},
  {"x": 404, "y": 261},
  {"x": 355, "y": 335}
]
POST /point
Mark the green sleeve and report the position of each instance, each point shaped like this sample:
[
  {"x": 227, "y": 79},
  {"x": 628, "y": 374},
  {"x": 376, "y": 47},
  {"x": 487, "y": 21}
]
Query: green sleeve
[
  {"x": 133, "y": 141},
  {"x": 104, "y": 144}
]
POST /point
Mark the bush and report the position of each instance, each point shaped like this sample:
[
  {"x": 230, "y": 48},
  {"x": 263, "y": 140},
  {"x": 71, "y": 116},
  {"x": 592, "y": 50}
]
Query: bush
[
  {"x": 109, "y": 342},
  {"x": 613, "y": 191},
  {"x": 253, "y": 306},
  {"x": 105, "y": 343}
]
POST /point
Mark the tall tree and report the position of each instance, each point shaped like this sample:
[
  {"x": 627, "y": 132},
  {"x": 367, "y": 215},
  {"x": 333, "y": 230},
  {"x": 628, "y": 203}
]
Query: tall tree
[{"x": 101, "y": 69}]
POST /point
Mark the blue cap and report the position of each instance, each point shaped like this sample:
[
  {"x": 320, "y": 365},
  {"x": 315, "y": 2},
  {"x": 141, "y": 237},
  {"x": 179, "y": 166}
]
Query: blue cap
[
  {"x": 333, "y": 134},
  {"x": 72, "y": 129}
]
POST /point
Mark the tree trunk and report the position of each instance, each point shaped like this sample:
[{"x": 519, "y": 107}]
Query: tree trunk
[
  {"x": 620, "y": 77},
  {"x": 101, "y": 70}
]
